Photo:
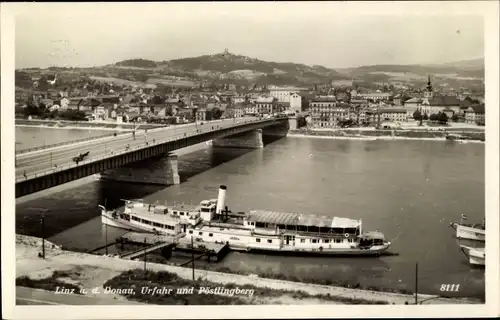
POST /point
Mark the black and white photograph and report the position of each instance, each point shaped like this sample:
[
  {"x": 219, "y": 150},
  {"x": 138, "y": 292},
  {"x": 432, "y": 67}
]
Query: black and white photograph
[{"x": 265, "y": 159}]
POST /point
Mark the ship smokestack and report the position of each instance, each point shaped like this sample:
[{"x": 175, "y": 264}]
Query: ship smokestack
[{"x": 221, "y": 199}]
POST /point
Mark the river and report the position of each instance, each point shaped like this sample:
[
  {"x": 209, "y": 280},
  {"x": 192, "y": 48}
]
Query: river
[
  {"x": 36, "y": 136},
  {"x": 410, "y": 190}
]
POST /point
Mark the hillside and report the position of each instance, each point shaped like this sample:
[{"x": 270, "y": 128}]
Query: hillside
[
  {"x": 228, "y": 68},
  {"x": 471, "y": 70},
  {"x": 237, "y": 67}
]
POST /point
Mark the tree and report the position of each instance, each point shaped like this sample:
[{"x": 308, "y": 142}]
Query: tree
[
  {"x": 454, "y": 118},
  {"x": 169, "y": 111},
  {"x": 417, "y": 115},
  {"x": 434, "y": 117},
  {"x": 425, "y": 117},
  {"x": 194, "y": 111},
  {"x": 214, "y": 114},
  {"x": 442, "y": 118}
]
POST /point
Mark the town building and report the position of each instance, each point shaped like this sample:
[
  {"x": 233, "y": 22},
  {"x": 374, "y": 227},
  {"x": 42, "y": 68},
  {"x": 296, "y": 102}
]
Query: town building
[
  {"x": 375, "y": 96},
  {"x": 235, "y": 111},
  {"x": 393, "y": 114},
  {"x": 295, "y": 102},
  {"x": 475, "y": 114},
  {"x": 326, "y": 112},
  {"x": 266, "y": 105},
  {"x": 201, "y": 114},
  {"x": 434, "y": 104},
  {"x": 283, "y": 94}
]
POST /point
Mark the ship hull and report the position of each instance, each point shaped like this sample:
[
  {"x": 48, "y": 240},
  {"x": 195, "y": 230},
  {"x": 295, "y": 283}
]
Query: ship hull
[
  {"x": 318, "y": 253},
  {"x": 470, "y": 233},
  {"x": 476, "y": 256}
]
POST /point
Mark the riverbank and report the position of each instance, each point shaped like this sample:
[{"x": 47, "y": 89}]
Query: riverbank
[
  {"x": 90, "y": 271},
  {"x": 83, "y": 125},
  {"x": 437, "y": 135}
]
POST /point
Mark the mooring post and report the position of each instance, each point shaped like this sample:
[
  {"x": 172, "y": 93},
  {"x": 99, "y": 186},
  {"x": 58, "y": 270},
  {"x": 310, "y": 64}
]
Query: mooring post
[
  {"x": 106, "y": 237},
  {"x": 106, "y": 229},
  {"x": 416, "y": 283},
  {"x": 145, "y": 247},
  {"x": 192, "y": 255}
]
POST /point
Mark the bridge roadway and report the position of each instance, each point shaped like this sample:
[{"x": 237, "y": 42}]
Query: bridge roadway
[{"x": 39, "y": 162}]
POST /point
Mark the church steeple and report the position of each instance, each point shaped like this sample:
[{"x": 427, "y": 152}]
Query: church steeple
[{"x": 428, "y": 88}]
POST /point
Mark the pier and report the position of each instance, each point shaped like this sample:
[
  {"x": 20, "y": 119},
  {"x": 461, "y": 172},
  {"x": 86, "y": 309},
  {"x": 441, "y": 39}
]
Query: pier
[
  {"x": 143, "y": 251},
  {"x": 215, "y": 251}
]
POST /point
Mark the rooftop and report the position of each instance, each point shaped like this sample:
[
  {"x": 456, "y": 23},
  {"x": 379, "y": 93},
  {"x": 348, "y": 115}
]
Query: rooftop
[
  {"x": 444, "y": 101},
  {"x": 324, "y": 99},
  {"x": 288, "y": 218},
  {"x": 265, "y": 100},
  {"x": 393, "y": 110},
  {"x": 375, "y": 94}
]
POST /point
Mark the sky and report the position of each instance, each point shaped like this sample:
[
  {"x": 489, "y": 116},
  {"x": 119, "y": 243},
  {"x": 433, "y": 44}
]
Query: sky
[{"x": 336, "y": 35}]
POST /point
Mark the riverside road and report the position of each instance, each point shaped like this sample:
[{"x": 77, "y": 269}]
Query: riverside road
[{"x": 31, "y": 163}]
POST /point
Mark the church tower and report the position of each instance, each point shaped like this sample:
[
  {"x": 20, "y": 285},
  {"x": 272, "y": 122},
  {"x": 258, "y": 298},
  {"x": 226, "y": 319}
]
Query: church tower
[{"x": 428, "y": 88}]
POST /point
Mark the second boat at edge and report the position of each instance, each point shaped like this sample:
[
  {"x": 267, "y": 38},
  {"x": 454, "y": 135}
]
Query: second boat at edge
[{"x": 255, "y": 231}]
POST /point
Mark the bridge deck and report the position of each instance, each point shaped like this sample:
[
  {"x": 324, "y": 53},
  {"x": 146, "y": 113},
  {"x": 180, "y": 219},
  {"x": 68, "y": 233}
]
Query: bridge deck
[{"x": 47, "y": 168}]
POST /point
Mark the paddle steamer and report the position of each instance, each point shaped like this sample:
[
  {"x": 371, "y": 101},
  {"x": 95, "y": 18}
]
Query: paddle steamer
[{"x": 256, "y": 230}]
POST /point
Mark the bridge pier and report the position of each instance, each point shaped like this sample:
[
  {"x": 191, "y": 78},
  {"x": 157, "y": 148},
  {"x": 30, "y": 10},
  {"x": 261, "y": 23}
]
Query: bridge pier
[
  {"x": 163, "y": 171},
  {"x": 249, "y": 140},
  {"x": 172, "y": 169}
]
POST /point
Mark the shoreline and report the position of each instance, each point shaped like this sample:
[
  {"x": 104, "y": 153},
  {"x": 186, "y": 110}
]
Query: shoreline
[
  {"x": 369, "y": 138},
  {"x": 95, "y": 270},
  {"x": 368, "y": 135},
  {"x": 84, "y": 125},
  {"x": 70, "y": 127}
]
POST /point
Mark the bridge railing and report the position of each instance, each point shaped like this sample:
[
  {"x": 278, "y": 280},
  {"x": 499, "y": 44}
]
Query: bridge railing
[
  {"x": 54, "y": 145},
  {"x": 144, "y": 145}
]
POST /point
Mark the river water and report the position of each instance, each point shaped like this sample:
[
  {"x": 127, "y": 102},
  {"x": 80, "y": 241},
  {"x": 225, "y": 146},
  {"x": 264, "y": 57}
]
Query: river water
[
  {"x": 409, "y": 189},
  {"x": 30, "y": 137}
]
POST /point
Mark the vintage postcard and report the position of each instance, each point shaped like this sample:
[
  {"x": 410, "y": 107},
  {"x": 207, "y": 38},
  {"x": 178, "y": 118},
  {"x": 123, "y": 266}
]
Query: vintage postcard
[{"x": 250, "y": 160}]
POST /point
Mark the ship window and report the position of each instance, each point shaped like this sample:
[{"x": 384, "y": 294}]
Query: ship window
[
  {"x": 269, "y": 241},
  {"x": 337, "y": 240},
  {"x": 135, "y": 218},
  {"x": 191, "y": 231},
  {"x": 313, "y": 240},
  {"x": 200, "y": 233},
  {"x": 210, "y": 234},
  {"x": 181, "y": 213},
  {"x": 326, "y": 241},
  {"x": 302, "y": 240},
  {"x": 257, "y": 240}
]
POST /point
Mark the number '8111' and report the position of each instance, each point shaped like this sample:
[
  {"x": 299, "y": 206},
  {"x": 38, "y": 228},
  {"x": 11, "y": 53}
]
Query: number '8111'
[{"x": 449, "y": 287}]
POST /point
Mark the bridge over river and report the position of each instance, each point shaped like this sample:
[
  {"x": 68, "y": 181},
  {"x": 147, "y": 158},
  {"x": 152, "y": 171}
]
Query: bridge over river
[{"x": 51, "y": 166}]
